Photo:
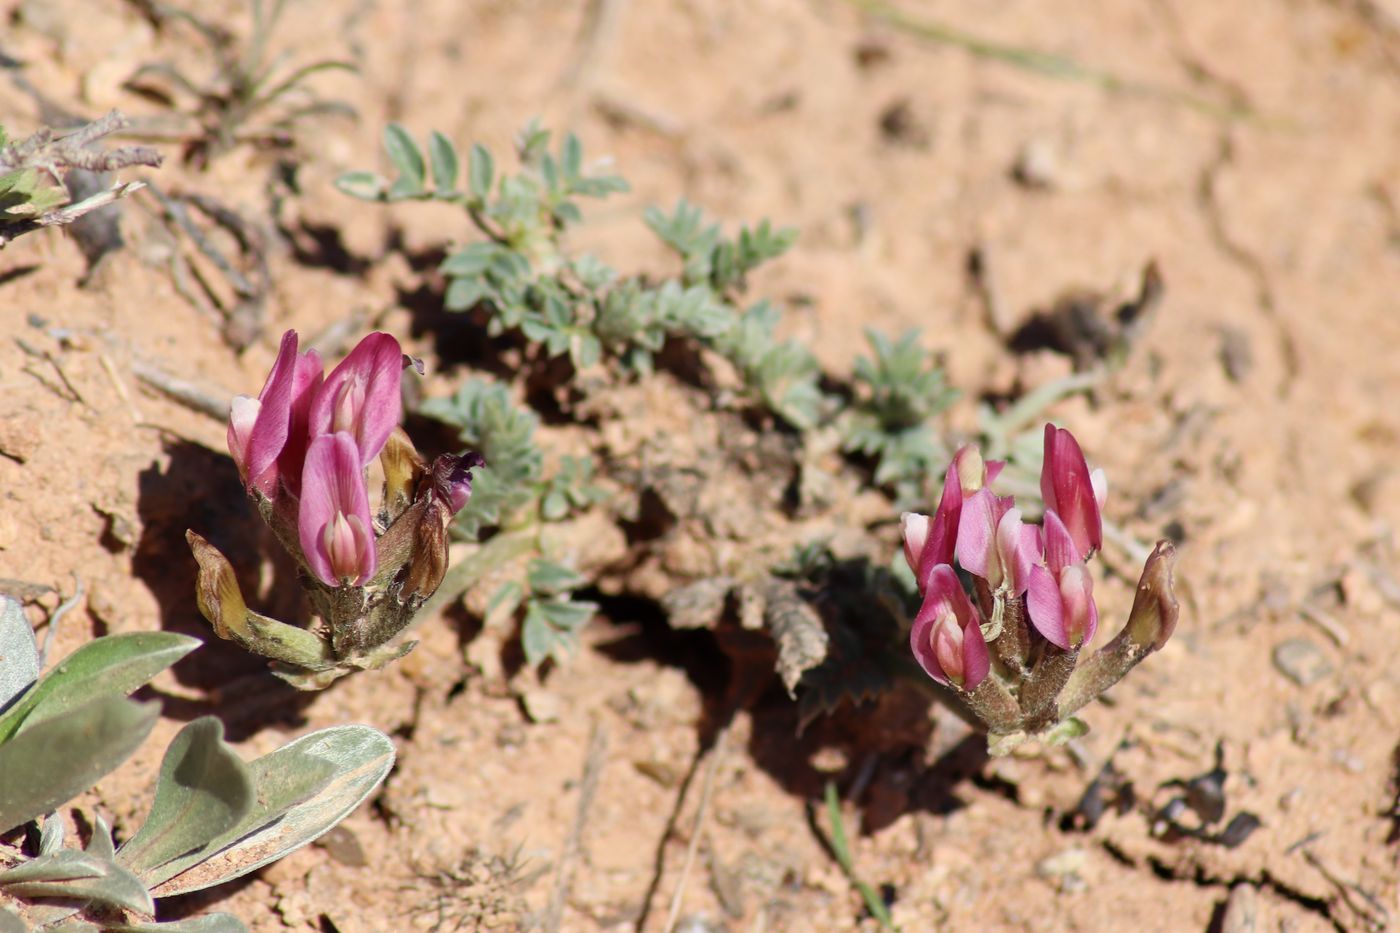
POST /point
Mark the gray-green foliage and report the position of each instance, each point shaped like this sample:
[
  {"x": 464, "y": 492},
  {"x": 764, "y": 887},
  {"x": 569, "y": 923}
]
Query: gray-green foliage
[
  {"x": 511, "y": 493},
  {"x": 578, "y": 306},
  {"x": 899, "y": 390},
  {"x": 251, "y": 91},
  {"x": 214, "y": 817},
  {"x": 504, "y": 434}
]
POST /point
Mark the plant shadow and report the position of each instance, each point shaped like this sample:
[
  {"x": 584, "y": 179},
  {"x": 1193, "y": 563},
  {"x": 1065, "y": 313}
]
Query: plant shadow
[{"x": 200, "y": 489}]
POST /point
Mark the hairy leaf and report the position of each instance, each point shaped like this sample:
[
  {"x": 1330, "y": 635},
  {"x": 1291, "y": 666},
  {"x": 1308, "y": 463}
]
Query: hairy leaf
[
  {"x": 55, "y": 760},
  {"x": 360, "y": 758},
  {"x": 114, "y": 665},
  {"x": 204, "y": 789},
  {"x": 19, "y": 654}
]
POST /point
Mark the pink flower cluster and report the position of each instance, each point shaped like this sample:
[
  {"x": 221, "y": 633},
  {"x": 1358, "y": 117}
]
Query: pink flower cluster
[
  {"x": 304, "y": 443},
  {"x": 1017, "y": 569}
]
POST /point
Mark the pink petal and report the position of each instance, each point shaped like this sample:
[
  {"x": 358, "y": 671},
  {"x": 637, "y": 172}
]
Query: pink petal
[
  {"x": 333, "y": 487},
  {"x": 269, "y": 432},
  {"x": 1018, "y": 550},
  {"x": 361, "y": 395},
  {"x": 943, "y": 533},
  {"x": 976, "y": 549},
  {"x": 1067, "y": 489},
  {"x": 944, "y": 597},
  {"x": 305, "y": 383},
  {"x": 1045, "y": 608},
  {"x": 242, "y": 415},
  {"x": 914, "y": 527},
  {"x": 1060, "y": 550},
  {"x": 1081, "y": 616},
  {"x": 1098, "y": 481},
  {"x": 976, "y": 662},
  {"x": 994, "y": 468}
]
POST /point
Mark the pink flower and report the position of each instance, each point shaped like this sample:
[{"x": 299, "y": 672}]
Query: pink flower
[
  {"x": 333, "y": 521},
  {"x": 361, "y": 396},
  {"x": 1060, "y": 598},
  {"x": 1071, "y": 491},
  {"x": 994, "y": 544},
  {"x": 946, "y": 638},
  {"x": 931, "y": 542},
  {"x": 262, "y": 430}
]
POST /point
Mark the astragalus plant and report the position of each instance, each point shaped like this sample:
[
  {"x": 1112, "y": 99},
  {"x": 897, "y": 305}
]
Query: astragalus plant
[
  {"x": 1008, "y": 607},
  {"x": 303, "y": 448}
]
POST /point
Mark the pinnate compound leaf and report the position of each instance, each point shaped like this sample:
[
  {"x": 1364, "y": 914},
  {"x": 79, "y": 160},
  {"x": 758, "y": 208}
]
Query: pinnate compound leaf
[
  {"x": 19, "y": 654},
  {"x": 113, "y": 665},
  {"x": 360, "y": 758},
  {"x": 82, "y": 876},
  {"x": 204, "y": 790},
  {"x": 56, "y": 759}
]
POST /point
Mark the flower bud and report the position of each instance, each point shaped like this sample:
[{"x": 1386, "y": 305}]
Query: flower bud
[
  {"x": 1071, "y": 491},
  {"x": 914, "y": 528},
  {"x": 217, "y": 592},
  {"x": 946, "y": 638},
  {"x": 1060, "y": 595}
]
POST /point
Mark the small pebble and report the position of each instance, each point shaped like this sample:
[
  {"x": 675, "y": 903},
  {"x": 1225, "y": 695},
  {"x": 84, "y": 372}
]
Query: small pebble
[{"x": 1301, "y": 661}]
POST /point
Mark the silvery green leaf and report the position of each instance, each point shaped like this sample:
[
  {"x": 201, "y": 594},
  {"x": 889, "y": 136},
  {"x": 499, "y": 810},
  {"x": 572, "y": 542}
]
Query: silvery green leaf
[
  {"x": 283, "y": 779},
  {"x": 101, "y": 844},
  {"x": 209, "y": 923},
  {"x": 113, "y": 665},
  {"x": 204, "y": 790},
  {"x": 359, "y": 756},
  {"x": 50, "y": 835},
  {"x": 405, "y": 155},
  {"x": 73, "y": 875},
  {"x": 444, "y": 161},
  {"x": 480, "y": 171},
  {"x": 367, "y": 186},
  {"x": 19, "y": 654},
  {"x": 63, "y": 865},
  {"x": 55, "y": 760},
  {"x": 571, "y": 157},
  {"x": 11, "y": 922}
]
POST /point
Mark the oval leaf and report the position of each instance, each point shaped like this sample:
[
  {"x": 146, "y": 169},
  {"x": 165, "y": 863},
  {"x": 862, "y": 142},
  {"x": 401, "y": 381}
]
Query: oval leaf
[
  {"x": 481, "y": 170},
  {"x": 444, "y": 159},
  {"x": 405, "y": 155},
  {"x": 19, "y": 654},
  {"x": 360, "y": 757},
  {"x": 113, "y": 665},
  {"x": 204, "y": 790},
  {"x": 59, "y": 758}
]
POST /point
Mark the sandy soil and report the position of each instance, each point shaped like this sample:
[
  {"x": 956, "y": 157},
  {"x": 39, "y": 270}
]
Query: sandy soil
[{"x": 1255, "y": 421}]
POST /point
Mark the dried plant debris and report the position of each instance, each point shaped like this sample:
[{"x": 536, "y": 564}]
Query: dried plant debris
[
  {"x": 33, "y": 171},
  {"x": 253, "y": 95},
  {"x": 1181, "y": 808},
  {"x": 1092, "y": 328}
]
